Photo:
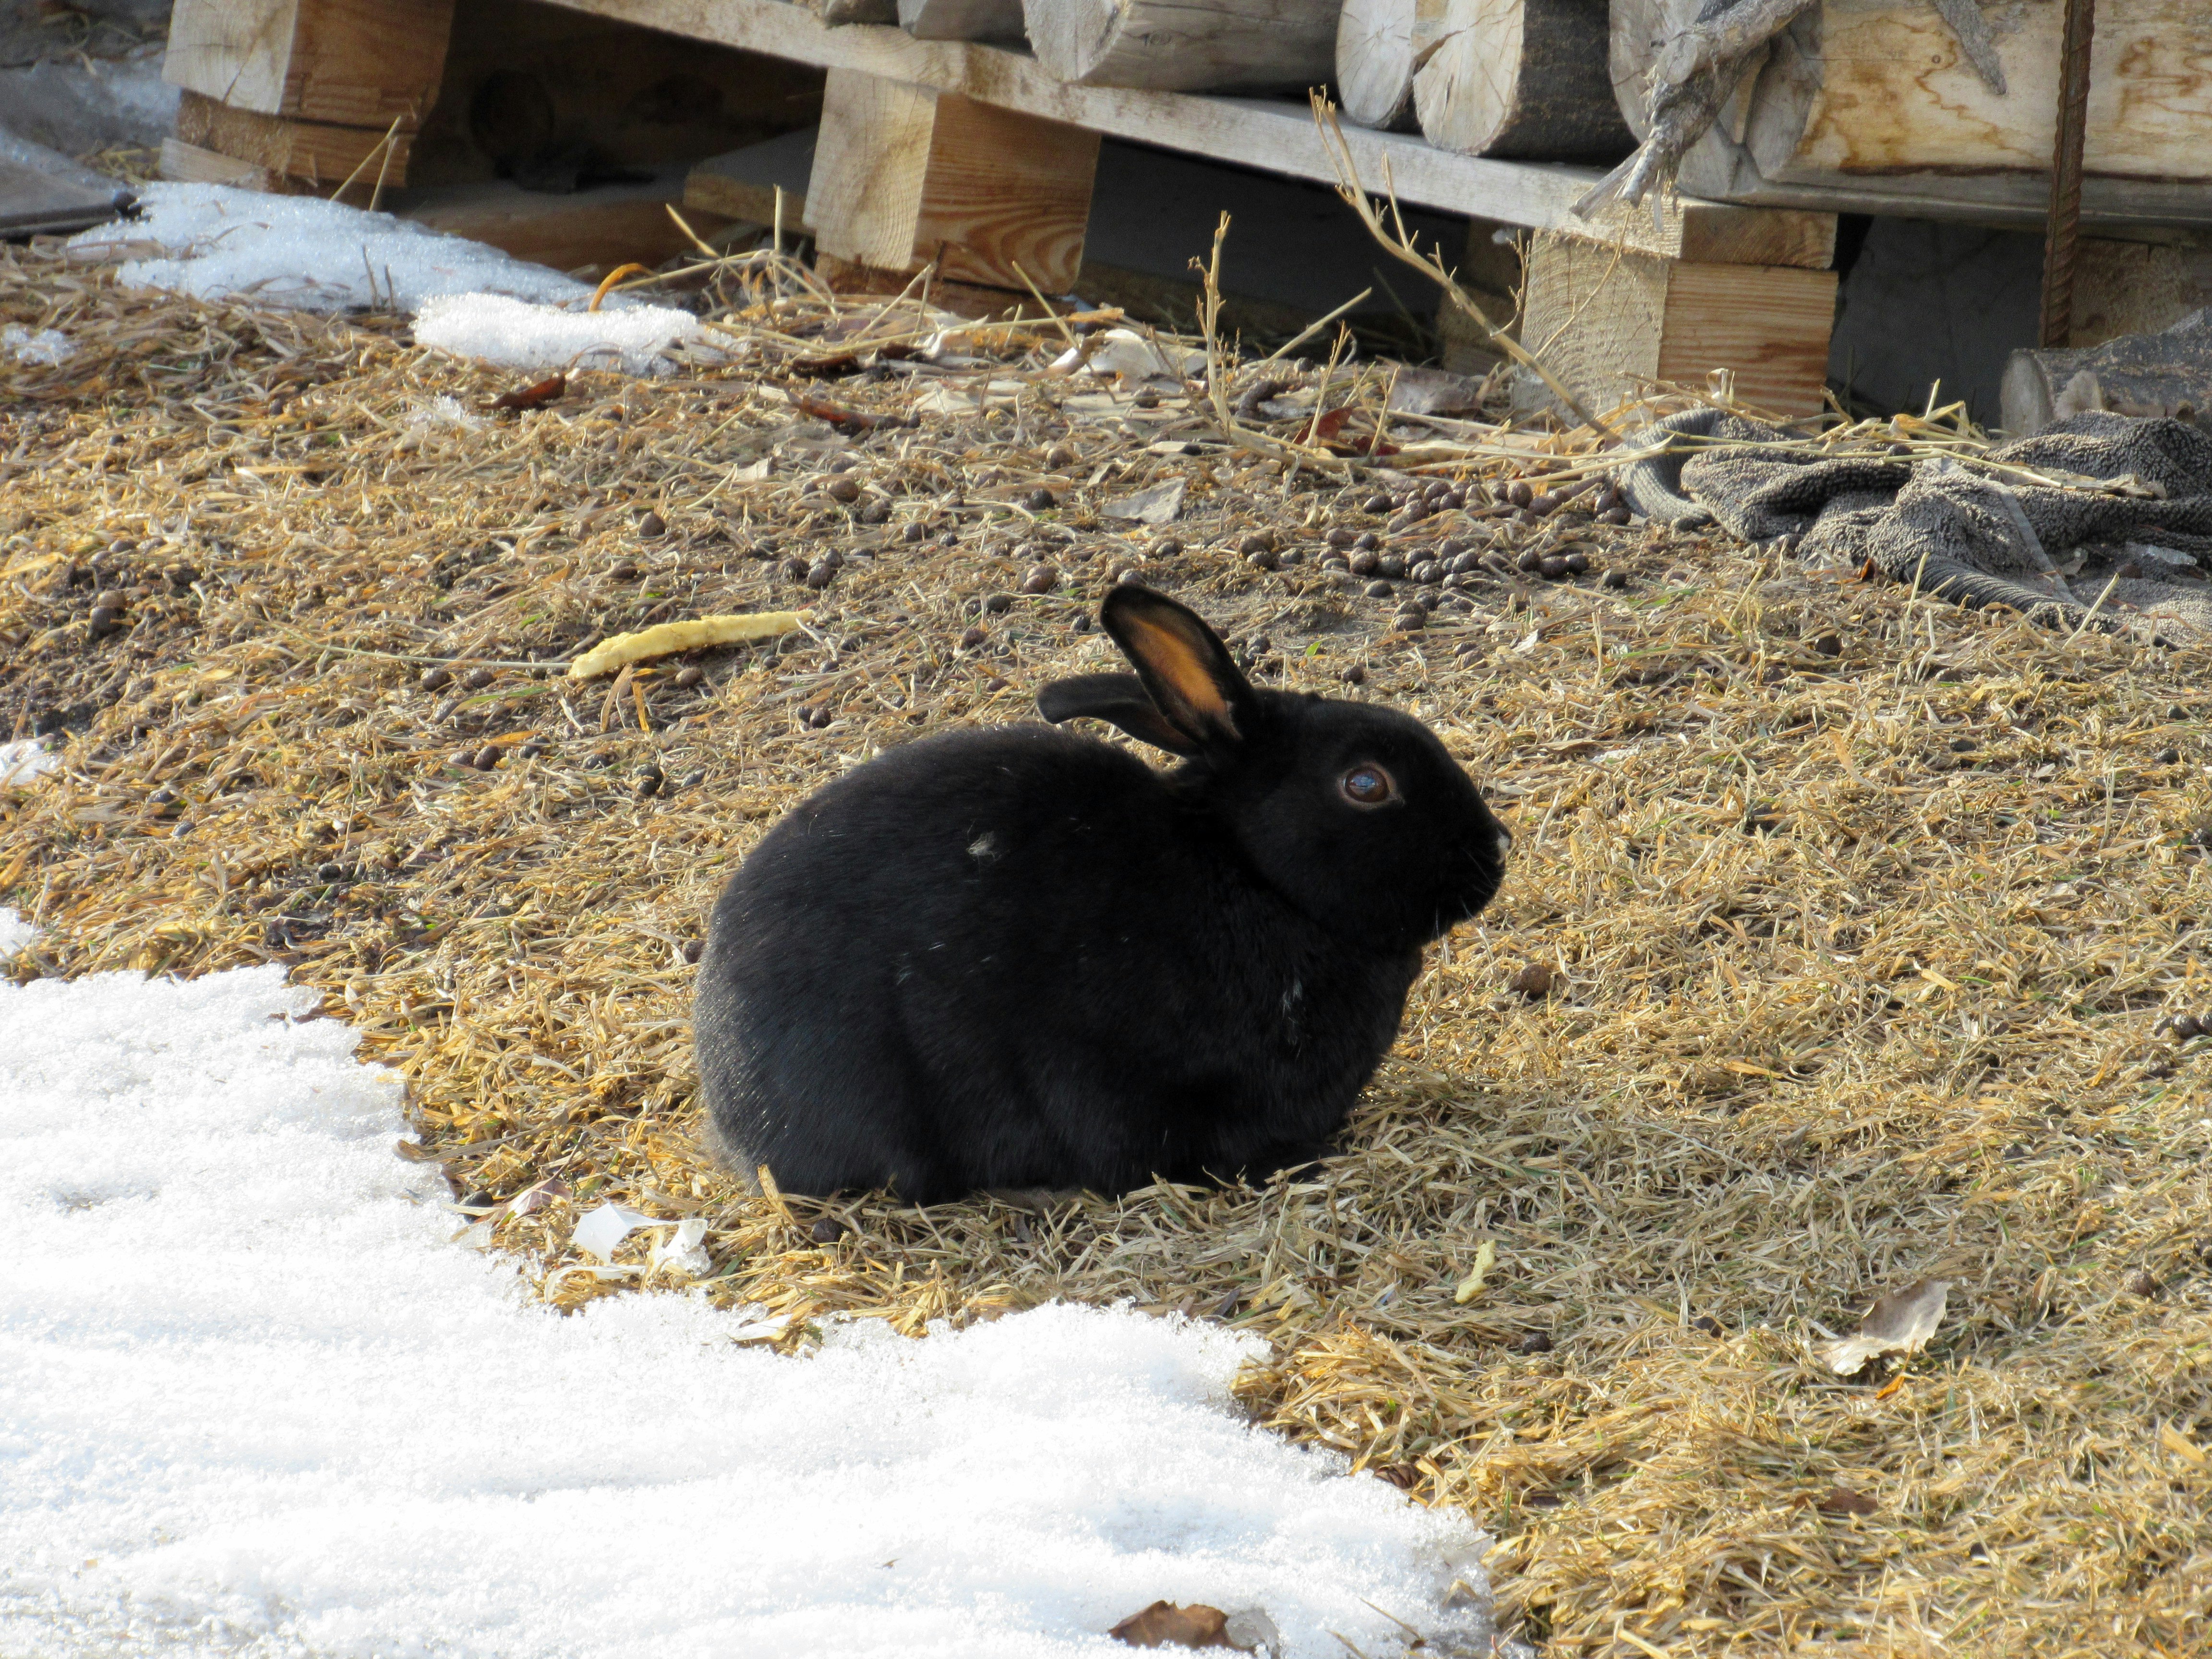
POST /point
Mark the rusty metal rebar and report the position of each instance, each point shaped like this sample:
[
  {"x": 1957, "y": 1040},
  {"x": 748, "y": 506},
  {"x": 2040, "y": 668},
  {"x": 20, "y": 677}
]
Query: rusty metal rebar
[{"x": 2062, "y": 234}]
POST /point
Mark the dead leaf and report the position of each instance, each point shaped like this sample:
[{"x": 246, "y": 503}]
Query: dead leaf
[
  {"x": 1899, "y": 1323},
  {"x": 1165, "y": 1625},
  {"x": 532, "y": 397},
  {"x": 1841, "y": 1500},
  {"x": 1157, "y": 505},
  {"x": 1471, "y": 1287}
]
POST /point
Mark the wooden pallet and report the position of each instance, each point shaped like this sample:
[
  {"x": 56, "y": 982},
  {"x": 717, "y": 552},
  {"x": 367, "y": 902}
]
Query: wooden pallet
[{"x": 971, "y": 158}]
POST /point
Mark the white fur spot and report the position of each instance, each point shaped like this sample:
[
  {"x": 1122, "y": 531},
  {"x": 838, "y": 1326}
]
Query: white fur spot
[{"x": 984, "y": 849}]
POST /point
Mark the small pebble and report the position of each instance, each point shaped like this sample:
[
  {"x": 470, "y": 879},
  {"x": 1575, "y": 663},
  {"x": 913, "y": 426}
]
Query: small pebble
[
  {"x": 1377, "y": 502},
  {"x": 2167, "y": 756},
  {"x": 1355, "y": 674},
  {"x": 1391, "y": 566},
  {"x": 820, "y": 574},
  {"x": 487, "y": 757},
  {"x": 1379, "y": 590},
  {"x": 690, "y": 675},
  {"x": 1166, "y": 549},
  {"x": 622, "y": 571},
  {"x": 529, "y": 750},
  {"x": 1518, "y": 493},
  {"x": 1262, "y": 559},
  {"x": 843, "y": 489},
  {"x": 1059, "y": 455},
  {"x": 1427, "y": 572},
  {"x": 1552, "y": 569},
  {"x": 1577, "y": 564},
  {"x": 2141, "y": 1284},
  {"x": 1410, "y": 620},
  {"x": 477, "y": 678},
  {"x": 1708, "y": 1324},
  {"x": 1339, "y": 537},
  {"x": 1543, "y": 502},
  {"x": 1362, "y": 563},
  {"x": 1614, "y": 515},
  {"x": 1367, "y": 541},
  {"x": 972, "y": 638},
  {"x": 827, "y": 1230},
  {"x": 652, "y": 526},
  {"x": 109, "y": 599},
  {"x": 914, "y": 532},
  {"x": 331, "y": 872},
  {"x": 997, "y": 603},
  {"x": 1533, "y": 1342},
  {"x": 103, "y": 619},
  {"x": 1829, "y": 645},
  {"x": 648, "y": 782},
  {"x": 1128, "y": 573},
  {"x": 1615, "y": 578},
  {"x": 1041, "y": 579},
  {"x": 693, "y": 949},
  {"x": 2186, "y": 1026},
  {"x": 1039, "y": 500},
  {"x": 1529, "y": 561}
]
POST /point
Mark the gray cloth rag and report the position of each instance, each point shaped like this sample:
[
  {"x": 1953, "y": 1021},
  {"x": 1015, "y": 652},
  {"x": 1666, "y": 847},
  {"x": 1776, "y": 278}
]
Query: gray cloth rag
[{"x": 1965, "y": 529}]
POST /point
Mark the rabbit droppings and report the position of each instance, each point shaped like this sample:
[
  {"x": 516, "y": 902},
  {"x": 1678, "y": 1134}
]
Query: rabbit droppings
[{"x": 1020, "y": 958}]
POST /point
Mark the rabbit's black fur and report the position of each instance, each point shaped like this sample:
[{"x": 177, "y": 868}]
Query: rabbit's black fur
[{"x": 1020, "y": 958}]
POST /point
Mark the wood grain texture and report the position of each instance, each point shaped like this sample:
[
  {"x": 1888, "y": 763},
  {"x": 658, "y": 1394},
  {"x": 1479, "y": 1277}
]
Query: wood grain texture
[
  {"x": 962, "y": 20},
  {"x": 1380, "y": 43},
  {"x": 187, "y": 163},
  {"x": 1279, "y": 137},
  {"x": 1522, "y": 78},
  {"x": 1007, "y": 195},
  {"x": 1177, "y": 46},
  {"x": 1871, "y": 106},
  {"x": 314, "y": 152},
  {"x": 871, "y": 168},
  {"x": 1608, "y": 323},
  {"x": 904, "y": 177},
  {"x": 352, "y": 63}
]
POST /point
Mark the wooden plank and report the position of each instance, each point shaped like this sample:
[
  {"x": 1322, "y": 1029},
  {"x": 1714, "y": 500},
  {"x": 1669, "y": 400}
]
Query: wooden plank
[
  {"x": 904, "y": 177},
  {"x": 1608, "y": 323},
  {"x": 352, "y": 63},
  {"x": 1277, "y": 137},
  {"x": 188, "y": 163},
  {"x": 742, "y": 184},
  {"x": 592, "y": 231},
  {"x": 314, "y": 151}
]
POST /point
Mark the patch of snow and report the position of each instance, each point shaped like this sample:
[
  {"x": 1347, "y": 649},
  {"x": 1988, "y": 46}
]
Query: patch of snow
[
  {"x": 212, "y": 241},
  {"x": 251, "y": 1401},
  {"x": 14, "y": 932},
  {"x": 22, "y": 761},
  {"x": 47, "y": 346},
  {"x": 500, "y": 330}
]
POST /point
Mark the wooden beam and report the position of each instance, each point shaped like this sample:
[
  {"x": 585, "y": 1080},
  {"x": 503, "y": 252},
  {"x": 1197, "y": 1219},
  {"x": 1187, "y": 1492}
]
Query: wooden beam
[
  {"x": 904, "y": 176},
  {"x": 314, "y": 152},
  {"x": 195, "y": 164},
  {"x": 1608, "y": 323},
  {"x": 352, "y": 63},
  {"x": 1277, "y": 137}
]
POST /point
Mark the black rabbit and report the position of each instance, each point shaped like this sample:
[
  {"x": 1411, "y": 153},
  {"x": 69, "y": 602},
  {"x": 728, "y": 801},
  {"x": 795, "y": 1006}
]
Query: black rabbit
[{"x": 1020, "y": 957}]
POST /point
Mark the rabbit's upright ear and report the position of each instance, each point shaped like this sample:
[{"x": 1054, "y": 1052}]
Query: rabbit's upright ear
[
  {"x": 1185, "y": 668},
  {"x": 1119, "y": 698}
]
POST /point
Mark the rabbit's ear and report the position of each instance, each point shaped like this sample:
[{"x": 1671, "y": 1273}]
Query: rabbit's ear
[
  {"x": 1183, "y": 664},
  {"x": 1119, "y": 698}
]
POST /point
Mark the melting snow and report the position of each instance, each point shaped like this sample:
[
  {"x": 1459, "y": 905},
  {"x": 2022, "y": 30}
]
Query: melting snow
[{"x": 251, "y": 1400}]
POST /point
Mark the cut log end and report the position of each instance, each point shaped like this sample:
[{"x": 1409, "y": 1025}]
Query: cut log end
[
  {"x": 1375, "y": 56},
  {"x": 1522, "y": 78}
]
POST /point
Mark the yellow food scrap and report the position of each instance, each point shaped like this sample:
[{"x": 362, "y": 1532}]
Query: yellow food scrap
[
  {"x": 1471, "y": 1287},
  {"x": 665, "y": 639}
]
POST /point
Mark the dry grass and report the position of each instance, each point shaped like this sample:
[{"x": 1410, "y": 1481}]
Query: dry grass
[{"x": 1862, "y": 955}]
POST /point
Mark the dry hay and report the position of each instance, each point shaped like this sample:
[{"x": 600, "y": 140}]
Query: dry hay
[{"x": 1864, "y": 914}]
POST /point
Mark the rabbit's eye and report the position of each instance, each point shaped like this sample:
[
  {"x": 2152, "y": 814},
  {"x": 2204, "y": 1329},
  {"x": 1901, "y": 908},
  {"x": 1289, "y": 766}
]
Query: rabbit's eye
[{"x": 1367, "y": 786}]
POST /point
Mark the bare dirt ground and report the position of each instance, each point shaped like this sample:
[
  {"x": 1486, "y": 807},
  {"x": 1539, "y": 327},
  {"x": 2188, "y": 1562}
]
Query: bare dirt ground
[{"x": 1863, "y": 923}]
